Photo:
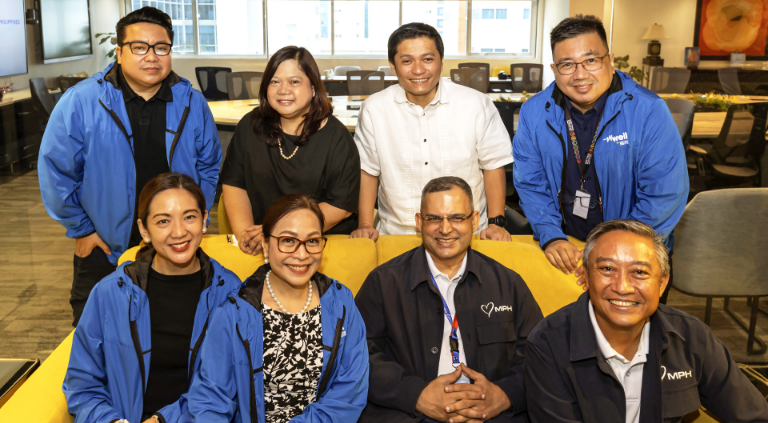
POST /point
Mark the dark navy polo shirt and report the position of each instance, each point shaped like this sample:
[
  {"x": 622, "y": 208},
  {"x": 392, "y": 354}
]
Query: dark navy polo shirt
[{"x": 585, "y": 125}]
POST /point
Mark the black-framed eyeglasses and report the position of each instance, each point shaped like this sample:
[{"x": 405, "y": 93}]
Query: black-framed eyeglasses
[
  {"x": 140, "y": 48},
  {"x": 289, "y": 244},
  {"x": 454, "y": 219},
  {"x": 590, "y": 65}
]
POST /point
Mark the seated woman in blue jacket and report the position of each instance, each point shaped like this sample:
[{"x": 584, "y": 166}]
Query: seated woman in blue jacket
[
  {"x": 124, "y": 365},
  {"x": 290, "y": 345}
]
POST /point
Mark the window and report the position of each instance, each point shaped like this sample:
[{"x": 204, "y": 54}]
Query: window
[
  {"x": 363, "y": 27},
  {"x": 509, "y": 20},
  {"x": 452, "y": 23},
  {"x": 312, "y": 20},
  {"x": 345, "y": 27}
]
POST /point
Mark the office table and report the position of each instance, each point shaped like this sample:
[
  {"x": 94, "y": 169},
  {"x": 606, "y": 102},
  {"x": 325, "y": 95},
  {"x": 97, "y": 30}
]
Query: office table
[
  {"x": 337, "y": 85},
  {"x": 226, "y": 114}
]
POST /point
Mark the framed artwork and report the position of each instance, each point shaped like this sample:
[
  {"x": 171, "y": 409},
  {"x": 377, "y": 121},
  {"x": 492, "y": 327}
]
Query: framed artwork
[
  {"x": 727, "y": 26},
  {"x": 692, "y": 56}
]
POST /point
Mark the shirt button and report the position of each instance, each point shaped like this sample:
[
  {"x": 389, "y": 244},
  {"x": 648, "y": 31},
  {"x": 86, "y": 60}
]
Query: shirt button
[
  {"x": 426, "y": 163},
  {"x": 425, "y": 140},
  {"x": 434, "y": 350}
]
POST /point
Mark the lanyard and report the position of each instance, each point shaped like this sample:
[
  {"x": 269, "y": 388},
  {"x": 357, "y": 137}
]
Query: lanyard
[
  {"x": 454, "y": 321},
  {"x": 583, "y": 167}
]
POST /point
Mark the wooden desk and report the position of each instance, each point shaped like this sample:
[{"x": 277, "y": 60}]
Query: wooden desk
[
  {"x": 19, "y": 95},
  {"x": 226, "y": 114}
]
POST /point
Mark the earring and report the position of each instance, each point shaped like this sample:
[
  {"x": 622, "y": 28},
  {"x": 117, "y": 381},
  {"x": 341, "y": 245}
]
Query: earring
[
  {"x": 266, "y": 260},
  {"x": 146, "y": 240},
  {"x": 204, "y": 229}
]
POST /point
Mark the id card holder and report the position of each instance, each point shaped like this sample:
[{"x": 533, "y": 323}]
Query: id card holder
[{"x": 581, "y": 204}]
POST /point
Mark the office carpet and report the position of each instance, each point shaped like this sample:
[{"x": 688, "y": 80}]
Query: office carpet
[{"x": 36, "y": 276}]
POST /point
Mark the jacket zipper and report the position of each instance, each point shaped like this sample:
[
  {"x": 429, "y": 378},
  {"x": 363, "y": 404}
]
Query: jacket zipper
[
  {"x": 251, "y": 372},
  {"x": 136, "y": 344},
  {"x": 334, "y": 351},
  {"x": 196, "y": 348},
  {"x": 179, "y": 130}
]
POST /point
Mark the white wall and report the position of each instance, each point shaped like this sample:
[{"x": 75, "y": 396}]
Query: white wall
[
  {"x": 554, "y": 12},
  {"x": 104, "y": 16}
]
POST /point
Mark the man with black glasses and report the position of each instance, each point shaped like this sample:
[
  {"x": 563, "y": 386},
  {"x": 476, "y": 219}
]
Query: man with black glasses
[
  {"x": 446, "y": 326},
  {"x": 595, "y": 146},
  {"x": 112, "y": 133}
]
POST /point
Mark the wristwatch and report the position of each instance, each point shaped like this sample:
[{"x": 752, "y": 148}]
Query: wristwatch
[{"x": 498, "y": 221}]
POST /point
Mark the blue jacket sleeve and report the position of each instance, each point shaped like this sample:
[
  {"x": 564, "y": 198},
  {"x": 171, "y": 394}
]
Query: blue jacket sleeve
[
  {"x": 214, "y": 388},
  {"x": 208, "y": 152},
  {"x": 177, "y": 412},
  {"x": 347, "y": 394},
  {"x": 60, "y": 166},
  {"x": 662, "y": 172},
  {"x": 531, "y": 183},
  {"x": 85, "y": 383}
]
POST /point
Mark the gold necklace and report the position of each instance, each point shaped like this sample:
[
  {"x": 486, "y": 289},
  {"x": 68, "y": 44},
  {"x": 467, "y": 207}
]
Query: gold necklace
[{"x": 280, "y": 147}]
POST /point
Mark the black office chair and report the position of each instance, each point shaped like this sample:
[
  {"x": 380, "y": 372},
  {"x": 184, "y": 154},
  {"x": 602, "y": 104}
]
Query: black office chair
[
  {"x": 244, "y": 85},
  {"x": 480, "y": 65},
  {"x": 471, "y": 77},
  {"x": 213, "y": 82},
  {"x": 41, "y": 98},
  {"x": 735, "y": 155},
  {"x": 365, "y": 82},
  {"x": 531, "y": 77},
  {"x": 65, "y": 82},
  {"x": 729, "y": 79},
  {"x": 682, "y": 112},
  {"x": 669, "y": 80}
]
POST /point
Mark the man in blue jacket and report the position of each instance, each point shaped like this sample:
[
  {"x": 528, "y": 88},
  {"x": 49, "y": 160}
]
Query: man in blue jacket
[
  {"x": 617, "y": 355},
  {"x": 112, "y": 133},
  {"x": 595, "y": 146}
]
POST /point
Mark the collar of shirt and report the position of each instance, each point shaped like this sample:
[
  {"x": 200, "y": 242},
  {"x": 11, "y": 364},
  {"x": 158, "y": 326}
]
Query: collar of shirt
[
  {"x": 420, "y": 267},
  {"x": 164, "y": 93},
  {"x": 439, "y": 275},
  {"x": 609, "y": 352},
  {"x": 597, "y": 108},
  {"x": 441, "y": 96}
]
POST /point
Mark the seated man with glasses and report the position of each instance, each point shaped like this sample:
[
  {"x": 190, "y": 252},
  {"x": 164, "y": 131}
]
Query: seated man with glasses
[
  {"x": 595, "y": 146},
  {"x": 446, "y": 326},
  {"x": 112, "y": 133}
]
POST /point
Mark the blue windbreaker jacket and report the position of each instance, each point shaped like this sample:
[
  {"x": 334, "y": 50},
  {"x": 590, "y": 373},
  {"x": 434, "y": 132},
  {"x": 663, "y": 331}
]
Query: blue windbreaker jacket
[
  {"x": 639, "y": 160},
  {"x": 230, "y": 383},
  {"x": 86, "y": 167},
  {"x": 111, "y": 349}
]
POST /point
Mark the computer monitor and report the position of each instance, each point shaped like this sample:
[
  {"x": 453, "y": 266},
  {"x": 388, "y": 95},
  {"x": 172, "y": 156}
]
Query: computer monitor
[
  {"x": 13, "y": 32},
  {"x": 66, "y": 30}
]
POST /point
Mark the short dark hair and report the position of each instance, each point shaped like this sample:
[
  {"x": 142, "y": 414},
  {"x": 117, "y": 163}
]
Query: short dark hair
[
  {"x": 410, "y": 31},
  {"x": 575, "y": 26},
  {"x": 265, "y": 121},
  {"x": 446, "y": 183},
  {"x": 633, "y": 226},
  {"x": 287, "y": 204},
  {"x": 146, "y": 14}
]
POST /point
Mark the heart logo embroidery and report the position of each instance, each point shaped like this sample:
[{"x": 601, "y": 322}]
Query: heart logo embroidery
[{"x": 487, "y": 309}]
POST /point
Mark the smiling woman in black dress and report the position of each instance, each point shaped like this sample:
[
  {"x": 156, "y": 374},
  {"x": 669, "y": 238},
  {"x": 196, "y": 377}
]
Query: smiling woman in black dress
[{"x": 290, "y": 144}]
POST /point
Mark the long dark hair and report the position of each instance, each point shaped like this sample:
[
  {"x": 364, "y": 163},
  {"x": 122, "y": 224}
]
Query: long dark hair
[
  {"x": 266, "y": 121},
  {"x": 162, "y": 182},
  {"x": 287, "y": 204}
]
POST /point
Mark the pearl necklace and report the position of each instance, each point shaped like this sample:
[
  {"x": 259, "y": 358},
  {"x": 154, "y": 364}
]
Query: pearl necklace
[
  {"x": 274, "y": 298},
  {"x": 280, "y": 147}
]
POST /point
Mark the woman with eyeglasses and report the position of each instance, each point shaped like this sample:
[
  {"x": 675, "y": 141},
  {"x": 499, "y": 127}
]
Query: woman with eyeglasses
[
  {"x": 290, "y": 345},
  {"x": 136, "y": 346},
  {"x": 290, "y": 144}
]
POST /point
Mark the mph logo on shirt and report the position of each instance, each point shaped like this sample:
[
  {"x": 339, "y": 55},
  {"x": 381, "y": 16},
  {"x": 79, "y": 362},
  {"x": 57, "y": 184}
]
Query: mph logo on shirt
[{"x": 621, "y": 139}]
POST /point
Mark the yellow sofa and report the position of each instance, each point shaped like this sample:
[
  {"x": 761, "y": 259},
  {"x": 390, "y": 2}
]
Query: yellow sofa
[{"x": 41, "y": 400}]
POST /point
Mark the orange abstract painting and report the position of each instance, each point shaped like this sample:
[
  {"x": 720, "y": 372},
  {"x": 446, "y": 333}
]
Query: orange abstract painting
[{"x": 726, "y": 26}]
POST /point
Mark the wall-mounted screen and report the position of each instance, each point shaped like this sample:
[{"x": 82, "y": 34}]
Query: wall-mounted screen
[
  {"x": 66, "y": 30},
  {"x": 13, "y": 32}
]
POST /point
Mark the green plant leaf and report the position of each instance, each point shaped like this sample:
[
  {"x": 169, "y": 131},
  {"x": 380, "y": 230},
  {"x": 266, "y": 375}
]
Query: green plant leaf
[{"x": 103, "y": 40}]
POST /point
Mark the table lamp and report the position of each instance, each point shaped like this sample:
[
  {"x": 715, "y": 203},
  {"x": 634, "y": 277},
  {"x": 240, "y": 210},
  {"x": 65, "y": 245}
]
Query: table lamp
[{"x": 655, "y": 33}]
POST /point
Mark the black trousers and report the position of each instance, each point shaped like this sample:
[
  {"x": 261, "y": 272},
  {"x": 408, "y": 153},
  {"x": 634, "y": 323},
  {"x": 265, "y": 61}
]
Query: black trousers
[{"x": 88, "y": 272}]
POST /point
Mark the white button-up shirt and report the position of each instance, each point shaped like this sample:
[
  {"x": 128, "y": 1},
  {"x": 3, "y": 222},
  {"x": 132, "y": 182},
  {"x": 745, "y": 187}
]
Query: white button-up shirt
[
  {"x": 459, "y": 133},
  {"x": 629, "y": 373},
  {"x": 447, "y": 288}
]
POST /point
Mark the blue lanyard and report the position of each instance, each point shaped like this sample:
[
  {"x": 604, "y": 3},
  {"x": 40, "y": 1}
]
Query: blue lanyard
[{"x": 454, "y": 341}]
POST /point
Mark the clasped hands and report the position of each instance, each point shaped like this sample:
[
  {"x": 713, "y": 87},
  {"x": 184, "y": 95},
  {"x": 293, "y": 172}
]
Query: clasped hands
[
  {"x": 249, "y": 240},
  {"x": 565, "y": 256},
  {"x": 447, "y": 401}
]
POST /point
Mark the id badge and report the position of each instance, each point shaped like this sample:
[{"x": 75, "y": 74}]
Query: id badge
[{"x": 581, "y": 204}]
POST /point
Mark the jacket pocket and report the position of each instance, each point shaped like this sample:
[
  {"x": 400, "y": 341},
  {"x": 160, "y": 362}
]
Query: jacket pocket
[
  {"x": 497, "y": 348},
  {"x": 680, "y": 402}
]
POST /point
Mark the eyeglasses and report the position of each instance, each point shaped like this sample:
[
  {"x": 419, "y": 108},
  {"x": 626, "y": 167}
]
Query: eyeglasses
[
  {"x": 590, "y": 65},
  {"x": 139, "y": 48},
  {"x": 289, "y": 244},
  {"x": 454, "y": 219}
]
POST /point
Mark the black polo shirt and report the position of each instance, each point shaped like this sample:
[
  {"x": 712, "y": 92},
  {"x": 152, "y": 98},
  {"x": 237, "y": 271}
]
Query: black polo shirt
[
  {"x": 568, "y": 380},
  {"x": 403, "y": 316},
  {"x": 147, "y": 119},
  {"x": 585, "y": 125}
]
